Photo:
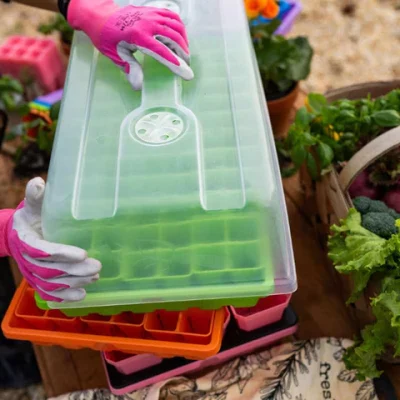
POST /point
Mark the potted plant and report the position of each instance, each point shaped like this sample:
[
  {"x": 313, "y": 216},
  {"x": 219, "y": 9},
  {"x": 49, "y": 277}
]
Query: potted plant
[
  {"x": 325, "y": 136},
  {"x": 11, "y": 100},
  {"x": 60, "y": 25},
  {"x": 36, "y": 134},
  {"x": 283, "y": 63}
]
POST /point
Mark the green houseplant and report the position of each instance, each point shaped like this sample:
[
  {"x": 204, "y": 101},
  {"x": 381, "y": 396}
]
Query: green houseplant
[
  {"x": 36, "y": 136},
  {"x": 326, "y": 136},
  {"x": 11, "y": 100},
  {"x": 283, "y": 63},
  {"x": 60, "y": 25}
]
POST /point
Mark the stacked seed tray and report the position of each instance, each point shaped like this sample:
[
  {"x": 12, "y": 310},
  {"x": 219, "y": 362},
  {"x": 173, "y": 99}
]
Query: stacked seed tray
[
  {"x": 176, "y": 190},
  {"x": 212, "y": 337},
  {"x": 127, "y": 373}
]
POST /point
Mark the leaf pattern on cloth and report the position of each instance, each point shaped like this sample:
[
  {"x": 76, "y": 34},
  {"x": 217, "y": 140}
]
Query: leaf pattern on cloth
[
  {"x": 347, "y": 376},
  {"x": 301, "y": 355},
  {"x": 337, "y": 355},
  {"x": 366, "y": 391},
  {"x": 104, "y": 394},
  {"x": 239, "y": 371},
  {"x": 305, "y": 370}
]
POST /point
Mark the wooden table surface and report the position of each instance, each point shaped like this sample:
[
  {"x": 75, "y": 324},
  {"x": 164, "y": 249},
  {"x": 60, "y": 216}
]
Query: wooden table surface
[{"x": 318, "y": 301}]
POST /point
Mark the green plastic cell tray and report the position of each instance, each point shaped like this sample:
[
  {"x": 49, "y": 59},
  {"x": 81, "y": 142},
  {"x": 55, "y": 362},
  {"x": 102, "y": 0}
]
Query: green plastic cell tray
[
  {"x": 175, "y": 189},
  {"x": 148, "y": 308}
]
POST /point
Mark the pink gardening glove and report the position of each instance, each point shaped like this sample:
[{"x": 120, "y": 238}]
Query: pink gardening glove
[
  {"x": 57, "y": 272},
  {"x": 119, "y": 32}
]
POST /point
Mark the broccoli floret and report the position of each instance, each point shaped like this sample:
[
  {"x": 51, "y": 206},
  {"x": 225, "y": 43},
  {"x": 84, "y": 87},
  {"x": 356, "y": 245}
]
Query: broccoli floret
[
  {"x": 378, "y": 207},
  {"x": 364, "y": 205},
  {"x": 393, "y": 213},
  {"x": 380, "y": 223}
]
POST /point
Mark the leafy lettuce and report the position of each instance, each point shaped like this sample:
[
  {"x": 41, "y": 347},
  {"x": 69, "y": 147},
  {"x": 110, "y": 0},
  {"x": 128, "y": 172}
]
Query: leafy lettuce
[{"x": 356, "y": 251}]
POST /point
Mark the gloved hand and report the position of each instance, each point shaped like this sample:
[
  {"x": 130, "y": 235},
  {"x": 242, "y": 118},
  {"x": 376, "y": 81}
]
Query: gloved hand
[
  {"x": 119, "y": 32},
  {"x": 58, "y": 272}
]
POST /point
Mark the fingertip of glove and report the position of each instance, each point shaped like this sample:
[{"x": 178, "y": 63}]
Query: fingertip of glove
[
  {"x": 76, "y": 295},
  {"x": 186, "y": 73},
  {"x": 137, "y": 86},
  {"x": 35, "y": 188}
]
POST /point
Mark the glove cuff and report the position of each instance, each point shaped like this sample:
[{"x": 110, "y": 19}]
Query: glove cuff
[
  {"x": 90, "y": 18},
  {"x": 5, "y": 218}
]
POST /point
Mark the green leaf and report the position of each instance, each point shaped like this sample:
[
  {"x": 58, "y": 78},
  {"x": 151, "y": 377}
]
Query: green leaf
[
  {"x": 353, "y": 248},
  {"x": 298, "y": 155},
  {"x": 22, "y": 109},
  {"x": 364, "y": 110},
  {"x": 303, "y": 118},
  {"x": 312, "y": 166},
  {"x": 58, "y": 23},
  {"x": 329, "y": 114},
  {"x": 348, "y": 135},
  {"x": 288, "y": 172},
  {"x": 386, "y": 118},
  {"x": 308, "y": 139},
  {"x": 347, "y": 115},
  {"x": 346, "y": 104},
  {"x": 55, "y": 111},
  {"x": 362, "y": 357},
  {"x": 390, "y": 300},
  {"x": 316, "y": 102},
  {"x": 8, "y": 101},
  {"x": 299, "y": 61},
  {"x": 325, "y": 154},
  {"x": 10, "y": 136},
  {"x": 281, "y": 61}
]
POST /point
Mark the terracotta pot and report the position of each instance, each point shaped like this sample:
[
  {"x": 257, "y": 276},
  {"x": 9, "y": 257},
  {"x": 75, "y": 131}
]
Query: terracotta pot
[{"x": 279, "y": 111}]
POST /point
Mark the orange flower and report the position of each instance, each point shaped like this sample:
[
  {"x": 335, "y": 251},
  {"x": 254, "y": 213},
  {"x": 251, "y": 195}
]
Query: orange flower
[
  {"x": 254, "y": 7},
  {"x": 271, "y": 10},
  {"x": 268, "y": 8}
]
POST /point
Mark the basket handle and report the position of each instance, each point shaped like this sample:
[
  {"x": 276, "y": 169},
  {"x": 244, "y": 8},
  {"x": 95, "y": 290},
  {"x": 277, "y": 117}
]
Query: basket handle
[{"x": 375, "y": 149}]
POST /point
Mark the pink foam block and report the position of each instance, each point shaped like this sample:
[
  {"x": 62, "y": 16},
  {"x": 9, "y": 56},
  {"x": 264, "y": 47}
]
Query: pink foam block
[
  {"x": 218, "y": 359},
  {"x": 25, "y": 57},
  {"x": 267, "y": 311}
]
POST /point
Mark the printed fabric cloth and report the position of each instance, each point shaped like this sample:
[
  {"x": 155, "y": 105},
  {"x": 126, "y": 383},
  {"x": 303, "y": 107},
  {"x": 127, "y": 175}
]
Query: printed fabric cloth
[{"x": 304, "y": 370}]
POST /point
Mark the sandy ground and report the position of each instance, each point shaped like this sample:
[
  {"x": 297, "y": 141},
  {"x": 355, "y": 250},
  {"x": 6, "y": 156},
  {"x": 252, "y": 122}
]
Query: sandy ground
[
  {"x": 358, "y": 46},
  {"x": 354, "y": 40}
]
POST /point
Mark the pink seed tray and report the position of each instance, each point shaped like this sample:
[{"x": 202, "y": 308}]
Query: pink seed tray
[
  {"x": 235, "y": 344},
  {"x": 267, "y": 311},
  {"x": 133, "y": 363}
]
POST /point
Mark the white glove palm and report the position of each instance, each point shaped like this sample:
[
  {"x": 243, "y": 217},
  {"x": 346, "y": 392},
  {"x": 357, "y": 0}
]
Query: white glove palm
[{"x": 58, "y": 272}]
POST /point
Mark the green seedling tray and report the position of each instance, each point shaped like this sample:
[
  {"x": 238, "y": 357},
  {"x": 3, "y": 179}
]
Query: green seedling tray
[
  {"x": 148, "y": 308},
  {"x": 176, "y": 188}
]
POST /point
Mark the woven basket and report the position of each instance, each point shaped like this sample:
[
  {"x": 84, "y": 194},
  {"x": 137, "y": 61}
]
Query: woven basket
[{"x": 328, "y": 199}]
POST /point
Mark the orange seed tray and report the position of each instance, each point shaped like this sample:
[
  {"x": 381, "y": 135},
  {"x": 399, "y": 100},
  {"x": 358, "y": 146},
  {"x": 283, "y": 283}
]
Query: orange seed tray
[{"x": 193, "y": 334}]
